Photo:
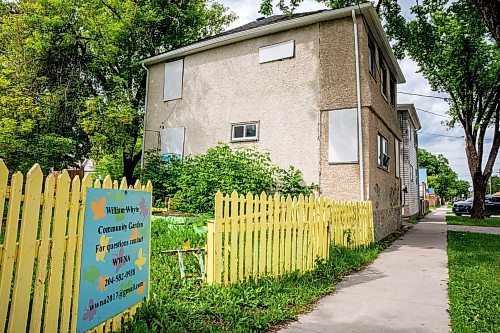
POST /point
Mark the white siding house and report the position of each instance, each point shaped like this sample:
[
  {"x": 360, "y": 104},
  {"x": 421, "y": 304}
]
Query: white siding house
[{"x": 408, "y": 159}]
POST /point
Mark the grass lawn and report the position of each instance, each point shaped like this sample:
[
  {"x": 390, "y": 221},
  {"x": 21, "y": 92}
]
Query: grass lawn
[
  {"x": 474, "y": 282},
  {"x": 467, "y": 220},
  {"x": 189, "y": 305}
]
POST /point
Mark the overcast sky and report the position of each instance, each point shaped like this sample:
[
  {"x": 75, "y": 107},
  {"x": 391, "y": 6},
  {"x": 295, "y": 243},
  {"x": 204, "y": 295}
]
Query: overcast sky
[{"x": 451, "y": 147}]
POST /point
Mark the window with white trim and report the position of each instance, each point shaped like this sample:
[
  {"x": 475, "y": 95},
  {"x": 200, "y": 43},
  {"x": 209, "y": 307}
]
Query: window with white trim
[
  {"x": 174, "y": 71},
  {"x": 383, "y": 152},
  {"x": 245, "y": 131},
  {"x": 393, "y": 90},
  {"x": 383, "y": 79},
  {"x": 396, "y": 157},
  {"x": 372, "y": 62}
]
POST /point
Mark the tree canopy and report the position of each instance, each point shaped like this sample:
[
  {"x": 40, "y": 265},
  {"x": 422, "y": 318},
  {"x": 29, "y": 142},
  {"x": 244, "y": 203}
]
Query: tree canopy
[
  {"x": 70, "y": 77},
  {"x": 441, "y": 176}
]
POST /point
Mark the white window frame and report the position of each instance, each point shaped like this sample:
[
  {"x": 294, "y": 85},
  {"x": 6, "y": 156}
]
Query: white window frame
[
  {"x": 382, "y": 150},
  {"x": 383, "y": 79},
  {"x": 393, "y": 89},
  {"x": 397, "y": 166},
  {"x": 372, "y": 61},
  {"x": 245, "y": 137}
]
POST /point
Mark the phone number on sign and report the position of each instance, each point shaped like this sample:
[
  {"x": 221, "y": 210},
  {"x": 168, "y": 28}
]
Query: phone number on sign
[{"x": 119, "y": 277}]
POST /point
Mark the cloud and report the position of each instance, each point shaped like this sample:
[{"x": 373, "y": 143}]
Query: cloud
[{"x": 451, "y": 148}]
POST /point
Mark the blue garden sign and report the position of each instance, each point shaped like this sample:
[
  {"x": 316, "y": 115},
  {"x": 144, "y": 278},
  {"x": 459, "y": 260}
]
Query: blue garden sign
[{"x": 114, "y": 271}]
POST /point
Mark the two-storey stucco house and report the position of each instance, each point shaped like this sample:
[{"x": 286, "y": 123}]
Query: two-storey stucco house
[
  {"x": 317, "y": 90},
  {"x": 410, "y": 124}
]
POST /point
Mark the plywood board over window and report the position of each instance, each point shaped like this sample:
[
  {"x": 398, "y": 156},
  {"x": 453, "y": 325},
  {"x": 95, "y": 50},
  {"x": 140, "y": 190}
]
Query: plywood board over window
[
  {"x": 343, "y": 136},
  {"x": 173, "y": 80},
  {"x": 277, "y": 51},
  {"x": 172, "y": 142}
]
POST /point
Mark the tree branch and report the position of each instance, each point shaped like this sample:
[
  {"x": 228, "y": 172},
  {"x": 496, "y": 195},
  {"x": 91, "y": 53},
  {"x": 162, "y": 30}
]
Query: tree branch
[{"x": 111, "y": 9}]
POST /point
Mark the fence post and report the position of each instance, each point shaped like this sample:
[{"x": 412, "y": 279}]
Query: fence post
[{"x": 210, "y": 252}]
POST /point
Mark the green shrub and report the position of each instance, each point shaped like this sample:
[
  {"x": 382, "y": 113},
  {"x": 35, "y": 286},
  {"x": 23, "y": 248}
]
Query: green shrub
[
  {"x": 163, "y": 174},
  {"x": 195, "y": 181}
]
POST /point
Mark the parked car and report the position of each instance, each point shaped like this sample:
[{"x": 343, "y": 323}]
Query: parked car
[
  {"x": 491, "y": 206},
  {"x": 462, "y": 207}
]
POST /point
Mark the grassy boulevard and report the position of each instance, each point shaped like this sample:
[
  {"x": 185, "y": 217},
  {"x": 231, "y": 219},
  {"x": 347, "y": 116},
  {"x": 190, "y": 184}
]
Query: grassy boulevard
[
  {"x": 467, "y": 220},
  {"x": 474, "y": 281},
  {"x": 188, "y": 305}
]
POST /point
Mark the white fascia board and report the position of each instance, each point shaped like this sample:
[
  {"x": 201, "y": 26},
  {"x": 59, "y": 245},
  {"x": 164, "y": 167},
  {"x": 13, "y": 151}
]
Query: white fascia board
[{"x": 253, "y": 33}]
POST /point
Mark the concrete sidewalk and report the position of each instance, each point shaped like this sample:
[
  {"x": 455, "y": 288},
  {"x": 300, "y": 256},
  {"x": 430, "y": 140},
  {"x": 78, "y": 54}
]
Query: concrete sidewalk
[{"x": 403, "y": 290}]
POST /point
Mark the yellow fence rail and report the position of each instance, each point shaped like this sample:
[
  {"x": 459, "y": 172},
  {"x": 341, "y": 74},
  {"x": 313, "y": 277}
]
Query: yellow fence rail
[
  {"x": 256, "y": 236},
  {"x": 40, "y": 253}
]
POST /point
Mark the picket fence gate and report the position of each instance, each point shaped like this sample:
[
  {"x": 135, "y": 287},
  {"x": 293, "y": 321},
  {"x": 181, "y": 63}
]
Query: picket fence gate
[
  {"x": 255, "y": 236},
  {"x": 40, "y": 255}
]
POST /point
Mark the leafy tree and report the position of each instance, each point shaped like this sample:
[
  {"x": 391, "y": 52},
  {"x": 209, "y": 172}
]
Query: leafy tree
[
  {"x": 30, "y": 130},
  {"x": 441, "y": 177},
  {"x": 457, "y": 55},
  {"x": 495, "y": 184},
  {"x": 85, "y": 55}
]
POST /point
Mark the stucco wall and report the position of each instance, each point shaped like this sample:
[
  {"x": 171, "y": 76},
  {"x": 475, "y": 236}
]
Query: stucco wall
[
  {"x": 338, "y": 91},
  {"x": 228, "y": 85}
]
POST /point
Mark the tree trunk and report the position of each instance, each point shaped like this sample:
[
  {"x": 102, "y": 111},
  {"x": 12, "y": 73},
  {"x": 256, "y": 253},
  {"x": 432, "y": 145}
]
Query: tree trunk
[
  {"x": 479, "y": 184},
  {"x": 490, "y": 12},
  {"x": 129, "y": 164}
]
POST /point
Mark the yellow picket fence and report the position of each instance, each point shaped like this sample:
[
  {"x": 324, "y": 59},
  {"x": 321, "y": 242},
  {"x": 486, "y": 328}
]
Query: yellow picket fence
[
  {"x": 40, "y": 253},
  {"x": 256, "y": 236}
]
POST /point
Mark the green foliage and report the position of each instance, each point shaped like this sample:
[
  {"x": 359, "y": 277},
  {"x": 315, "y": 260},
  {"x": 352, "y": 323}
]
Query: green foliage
[
  {"x": 178, "y": 305},
  {"x": 495, "y": 184},
  {"x": 222, "y": 169},
  {"x": 195, "y": 181},
  {"x": 109, "y": 165},
  {"x": 71, "y": 78},
  {"x": 163, "y": 174},
  {"x": 473, "y": 287},
  {"x": 466, "y": 220},
  {"x": 440, "y": 175}
]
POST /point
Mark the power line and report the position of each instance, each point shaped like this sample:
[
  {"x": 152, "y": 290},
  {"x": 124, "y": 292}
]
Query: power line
[
  {"x": 437, "y": 114},
  {"x": 449, "y": 136},
  {"x": 429, "y": 96}
]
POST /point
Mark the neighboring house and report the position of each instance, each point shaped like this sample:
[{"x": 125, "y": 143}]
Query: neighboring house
[
  {"x": 297, "y": 86},
  {"x": 410, "y": 124}
]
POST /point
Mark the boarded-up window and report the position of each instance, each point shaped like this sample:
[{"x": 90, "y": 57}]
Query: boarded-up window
[
  {"x": 172, "y": 142},
  {"x": 173, "y": 80},
  {"x": 343, "y": 136},
  {"x": 277, "y": 51}
]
